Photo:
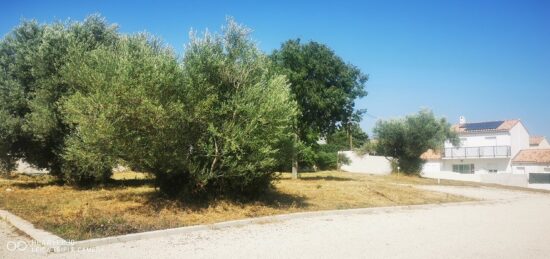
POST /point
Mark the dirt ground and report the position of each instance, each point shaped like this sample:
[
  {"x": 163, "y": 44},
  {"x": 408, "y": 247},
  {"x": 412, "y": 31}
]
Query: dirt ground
[{"x": 507, "y": 224}]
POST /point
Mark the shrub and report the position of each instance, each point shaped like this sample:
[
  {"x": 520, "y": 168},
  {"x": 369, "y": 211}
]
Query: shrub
[
  {"x": 32, "y": 58},
  {"x": 216, "y": 123}
]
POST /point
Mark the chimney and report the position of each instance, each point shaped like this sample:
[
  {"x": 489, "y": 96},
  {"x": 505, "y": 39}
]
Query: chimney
[{"x": 461, "y": 120}]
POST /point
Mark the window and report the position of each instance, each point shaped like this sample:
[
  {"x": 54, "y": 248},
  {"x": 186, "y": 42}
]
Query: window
[
  {"x": 464, "y": 168},
  {"x": 493, "y": 171},
  {"x": 490, "y": 137},
  {"x": 547, "y": 169},
  {"x": 521, "y": 168}
]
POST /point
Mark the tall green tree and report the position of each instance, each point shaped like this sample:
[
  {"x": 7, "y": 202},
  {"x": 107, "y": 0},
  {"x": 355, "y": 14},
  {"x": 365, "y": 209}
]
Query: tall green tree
[
  {"x": 244, "y": 110},
  {"x": 324, "y": 86},
  {"x": 32, "y": 57},
  {"x": 17, "y": 85},
  {"x": 216, "y": 123},
  {"x": 407, "y": 139},
  {"x": 348, "y": 138}
]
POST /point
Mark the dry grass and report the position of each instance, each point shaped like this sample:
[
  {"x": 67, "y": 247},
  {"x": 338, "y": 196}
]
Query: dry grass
[{"x": 132, "y": 205}]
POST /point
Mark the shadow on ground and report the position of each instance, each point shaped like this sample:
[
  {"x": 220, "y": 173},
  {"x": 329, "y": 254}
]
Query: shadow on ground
[
  {"x": 325, "y": 178},
  {"x": 157, "y": 201}
]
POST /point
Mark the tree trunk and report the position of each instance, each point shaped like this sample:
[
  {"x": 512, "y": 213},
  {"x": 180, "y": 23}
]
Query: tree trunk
[
  {"x": 295, "y": 169},
  {"x": 350, "y": 137},
  {"x": 295, "y": 158}
]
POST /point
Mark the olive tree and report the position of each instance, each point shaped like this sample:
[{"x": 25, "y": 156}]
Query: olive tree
[
  {"x": 32, "y": 87},
  {"x": 407, "y": 139},
  {"x": 242, "y": 110},
  {"x": 217, "y": 122}
]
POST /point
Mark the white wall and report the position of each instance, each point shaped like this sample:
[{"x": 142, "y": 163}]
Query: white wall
[
  {"x": 483, "y": 139},
  {"x": 542, "y": 145},
  {"x": 481, "y": 165},
  {"x": 452, "y": 176},
  {"x": 520, "y": 180},
  {"x": 432, "y": 166},
  {"x": 366, "y": 164},
  {"x": 519, "y": 138},
  {"x": 502, "y": 179},
  {"x": 530, "y": 168},
  {"x": 26, "y": 168}
]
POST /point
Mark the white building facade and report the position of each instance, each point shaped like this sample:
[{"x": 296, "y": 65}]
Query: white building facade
[
  {"x": 486, "y": 147},
  {"x": 489, "y": 148}
]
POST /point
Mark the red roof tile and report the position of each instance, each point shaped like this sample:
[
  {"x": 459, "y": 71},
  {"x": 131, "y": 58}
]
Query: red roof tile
[
  {"x": 537, "y": 156},
  {"x": 535, "y": 140},
  {"x": 430, "y": 155}
]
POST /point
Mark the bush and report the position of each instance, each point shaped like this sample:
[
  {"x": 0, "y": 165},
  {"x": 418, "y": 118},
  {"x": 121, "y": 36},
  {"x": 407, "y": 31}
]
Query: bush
[
  {"x": 214, "y": 124},
  {"x": 406, "y": 139},
  {"x": 78, "y": 98},
  {"x": 32, "y": 58}
]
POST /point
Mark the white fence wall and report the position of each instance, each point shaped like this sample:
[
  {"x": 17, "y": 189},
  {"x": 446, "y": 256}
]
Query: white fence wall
[
  {"x": 452, "y": 176},
  {"x": 26, "y": 168},
  {"x": 521, "y": 180},
  {"x": 366, "y": 164}
]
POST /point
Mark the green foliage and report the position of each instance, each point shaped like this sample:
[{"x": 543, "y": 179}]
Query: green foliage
[
  {"x": 340, "y": 138},
  {"x": 343, "y": 159},
  {"x": 79, "y": 98},
  {"x": 17, "y": 52},
  {"x": 328, "y": 158},
  {"x": 216, "y": 123},
  {"x": 407, "y": 139},
  {"x": 368, "y": 147},
  {"x": 32, "y": 88},
  {"x": 325, "y": 155},
  {"x": 324, "y": 86},
  {"x": 243, "y": 111}
]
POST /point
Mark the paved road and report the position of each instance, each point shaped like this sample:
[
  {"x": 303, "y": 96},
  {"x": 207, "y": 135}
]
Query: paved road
[{"x": 510, "y": 224}]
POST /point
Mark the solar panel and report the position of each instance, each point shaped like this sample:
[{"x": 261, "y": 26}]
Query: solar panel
[{"x": 490, "y": 125}]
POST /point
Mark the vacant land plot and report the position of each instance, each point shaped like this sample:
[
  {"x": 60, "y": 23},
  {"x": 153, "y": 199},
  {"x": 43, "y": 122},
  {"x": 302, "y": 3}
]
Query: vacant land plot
[{"x": 131, "y": 204}]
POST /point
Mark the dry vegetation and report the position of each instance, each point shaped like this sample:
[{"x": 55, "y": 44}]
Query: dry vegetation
[{"x": 131, "y": 204}]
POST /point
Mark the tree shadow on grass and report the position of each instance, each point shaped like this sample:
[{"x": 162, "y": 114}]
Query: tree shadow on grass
[
  {"x": 33, "y": 182},
  {"x": 123, "y": 183},
  {"x": 326, "y": 178},
  {"x": 157, "y": 201},
  {"x": 33, "y": 185},
  {"x": 271, "y": 199},
  {"x": 112, "y": 184}
]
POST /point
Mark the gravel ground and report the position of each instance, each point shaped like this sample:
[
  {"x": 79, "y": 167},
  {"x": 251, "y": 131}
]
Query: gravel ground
[{"x": 512, "y": 224}]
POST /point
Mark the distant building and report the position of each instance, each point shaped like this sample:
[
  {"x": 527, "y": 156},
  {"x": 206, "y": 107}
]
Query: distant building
[
  {"x": 493, "y": 147},
  {"x": 538, "y": 142}
]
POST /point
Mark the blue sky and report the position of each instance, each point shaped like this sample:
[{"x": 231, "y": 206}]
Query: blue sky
[{"x": 486, "y": 60}]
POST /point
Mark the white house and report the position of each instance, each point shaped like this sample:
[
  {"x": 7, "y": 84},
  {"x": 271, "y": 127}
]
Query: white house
[
  {"x": 488, "y": 151},
  {"x": 531, "y": 161},
  {"x": 538, "y": 142},
  {"x": 485, "y": 147}
]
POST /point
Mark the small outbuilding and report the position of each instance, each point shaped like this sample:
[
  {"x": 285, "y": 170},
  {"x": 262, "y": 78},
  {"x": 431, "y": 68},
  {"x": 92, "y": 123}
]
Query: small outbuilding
[{"x": 535, "y": 163}]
